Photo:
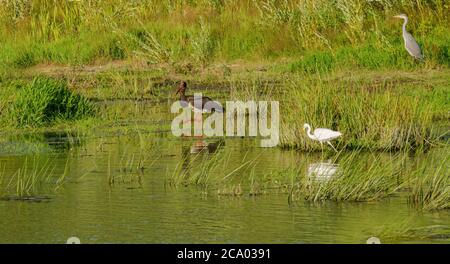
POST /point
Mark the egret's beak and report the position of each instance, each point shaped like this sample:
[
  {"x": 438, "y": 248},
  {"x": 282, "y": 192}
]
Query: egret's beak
[{"x": 398, "y": 16}]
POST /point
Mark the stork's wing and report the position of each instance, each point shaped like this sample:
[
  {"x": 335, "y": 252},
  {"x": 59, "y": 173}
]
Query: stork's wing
[
  {"x": 326, "y": 134},
  {"x": 210, "y": 105},
  {"x": 184, "y": 104},
  {"x": 412, "y": 47}
]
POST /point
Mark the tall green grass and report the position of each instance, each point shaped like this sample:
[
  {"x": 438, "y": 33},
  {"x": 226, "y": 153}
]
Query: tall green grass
[
  {"x": 321, "y": 35},
  {"x": 430, "y": 186},
  {"x": 371, "y": 116},
  {"x": 45, "y": 100}
]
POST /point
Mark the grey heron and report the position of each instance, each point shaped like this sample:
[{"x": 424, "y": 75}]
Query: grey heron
[
  {"x": 322, "y": 135},
  {"x": 410, "y": 43}
]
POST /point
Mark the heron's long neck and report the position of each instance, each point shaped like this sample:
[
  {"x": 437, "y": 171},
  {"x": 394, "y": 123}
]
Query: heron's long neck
[{"x": 404, "y": 25}]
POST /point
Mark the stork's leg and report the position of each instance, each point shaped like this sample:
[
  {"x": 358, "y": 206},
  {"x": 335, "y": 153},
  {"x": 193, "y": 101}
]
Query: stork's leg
[
  {"x": 198, "y": 119},
  {"x": 329, "y": 143}
]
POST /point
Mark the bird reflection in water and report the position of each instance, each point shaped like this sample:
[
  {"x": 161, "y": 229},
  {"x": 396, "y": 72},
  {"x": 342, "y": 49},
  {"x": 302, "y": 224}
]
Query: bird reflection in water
[
  {"x": 322, "y": 171},
  {"x": 208, "y": 147},
  {"x": 198, "y": 147}
]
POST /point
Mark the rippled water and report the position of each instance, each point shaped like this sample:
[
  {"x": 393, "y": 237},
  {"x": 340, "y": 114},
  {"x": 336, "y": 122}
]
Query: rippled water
[{"x": 150, "y": 210}]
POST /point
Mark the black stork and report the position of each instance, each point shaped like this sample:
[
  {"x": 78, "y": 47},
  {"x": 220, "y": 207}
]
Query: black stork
[{"x": 208, "y": 105}]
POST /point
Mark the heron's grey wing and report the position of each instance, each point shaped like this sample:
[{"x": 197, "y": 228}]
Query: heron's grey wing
[
  {"x": 411, "y": 46},
  {"x": 326, "y": 134}
]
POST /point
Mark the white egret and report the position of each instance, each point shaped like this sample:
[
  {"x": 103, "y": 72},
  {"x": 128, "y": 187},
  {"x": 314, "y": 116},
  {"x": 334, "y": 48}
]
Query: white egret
[{"x": 322, "y": 135}]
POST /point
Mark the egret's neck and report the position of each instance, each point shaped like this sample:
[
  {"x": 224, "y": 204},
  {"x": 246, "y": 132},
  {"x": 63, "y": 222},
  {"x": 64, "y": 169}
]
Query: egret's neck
[{"x": 308, "y": 132}]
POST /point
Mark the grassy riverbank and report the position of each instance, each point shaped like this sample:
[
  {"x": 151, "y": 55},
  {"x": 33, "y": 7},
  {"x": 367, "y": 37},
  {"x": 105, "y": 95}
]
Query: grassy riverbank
[
  {"x": 317, "y": 35},
  {"x": 377, "y": 110}
]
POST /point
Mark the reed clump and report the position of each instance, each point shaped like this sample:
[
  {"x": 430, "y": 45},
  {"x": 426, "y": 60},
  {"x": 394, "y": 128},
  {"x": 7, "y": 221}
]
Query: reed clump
[
  {"x": 374, "y": 118},
  {"x": 45, "y": 100},
  {"x": 430, "y": 185},
  {"x": 354, "y": 179}
]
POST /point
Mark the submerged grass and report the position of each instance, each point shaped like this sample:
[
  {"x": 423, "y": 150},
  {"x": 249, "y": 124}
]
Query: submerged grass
[
  {"x": 404, "y": 230},
  {"x": 430, "y": 185},
  {"x": 358, "y": 176},
  {"x": 130, "y": 166},
  {"x": 213, "y": 171},
  {"x": 27, "y": 182},
  {"x": 355, "y": 179}
]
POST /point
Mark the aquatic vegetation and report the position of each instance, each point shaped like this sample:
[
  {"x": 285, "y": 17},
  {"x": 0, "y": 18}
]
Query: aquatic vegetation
[
  {"x": 29, "y": 179},
  {"x": 375, "y": 118},
  {"x": 128, "y": 172},
  {"x": 233, "y": 190},
  {"x": 212, "y": 170},
  {"x": 373, "y": 110},
  {"x": 131, "y": 166},
  {"x": 186, "y": 172},
  {"x": 44, "y": 100},
  {"x": 350, "y": 177},
  {"x": 355, "y": 176},
  {"x": 404, "y": 230},
  {"x": 353, "y": 179},
  {"x": 430, "y": 185},
  {"x": 2, "y": 178}
]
